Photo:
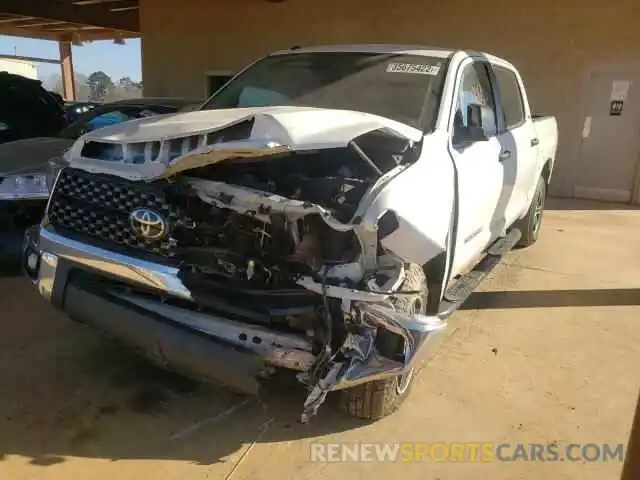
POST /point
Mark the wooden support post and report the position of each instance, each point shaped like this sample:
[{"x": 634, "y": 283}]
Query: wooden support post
[{"x": 66, "y": 64}]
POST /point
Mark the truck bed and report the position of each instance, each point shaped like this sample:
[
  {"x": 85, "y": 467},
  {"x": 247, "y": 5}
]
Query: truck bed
[{"x": 547, "y": 133}]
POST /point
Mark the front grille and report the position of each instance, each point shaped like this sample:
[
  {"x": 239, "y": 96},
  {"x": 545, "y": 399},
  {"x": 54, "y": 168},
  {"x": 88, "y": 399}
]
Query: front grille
[{"x": 96, "y": 209}]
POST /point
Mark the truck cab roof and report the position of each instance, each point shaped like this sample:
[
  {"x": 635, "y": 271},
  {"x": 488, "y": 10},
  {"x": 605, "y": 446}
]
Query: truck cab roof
[{"x": 390, "y": 48}]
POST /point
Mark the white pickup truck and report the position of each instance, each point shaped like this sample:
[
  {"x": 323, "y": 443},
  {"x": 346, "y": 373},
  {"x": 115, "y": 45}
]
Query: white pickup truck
[{"x": 324, "y": 212}]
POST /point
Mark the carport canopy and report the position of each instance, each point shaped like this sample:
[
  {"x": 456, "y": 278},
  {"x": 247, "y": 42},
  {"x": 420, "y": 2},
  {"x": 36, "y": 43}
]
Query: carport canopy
[{"x": 69, "y": 22}]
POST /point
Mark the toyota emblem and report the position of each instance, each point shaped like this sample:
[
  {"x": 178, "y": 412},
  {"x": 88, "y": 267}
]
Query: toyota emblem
[{"x": 148, "y": 224}]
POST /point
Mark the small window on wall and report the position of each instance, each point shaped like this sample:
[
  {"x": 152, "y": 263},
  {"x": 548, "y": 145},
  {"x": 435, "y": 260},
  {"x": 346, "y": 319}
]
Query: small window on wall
[{"x": 215, "y": 80}]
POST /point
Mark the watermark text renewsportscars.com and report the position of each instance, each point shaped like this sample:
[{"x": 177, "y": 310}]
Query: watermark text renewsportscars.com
[{"x": 466, "y": 452}]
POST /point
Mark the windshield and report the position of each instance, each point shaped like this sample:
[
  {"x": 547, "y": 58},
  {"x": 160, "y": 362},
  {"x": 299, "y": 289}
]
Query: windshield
[{"x": 405, "y": 88}]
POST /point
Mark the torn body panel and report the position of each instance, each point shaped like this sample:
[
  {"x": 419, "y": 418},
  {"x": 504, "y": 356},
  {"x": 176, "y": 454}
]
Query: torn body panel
[
  {"x": 422, "y": 228},
  {"x": 358, "y": 361}
]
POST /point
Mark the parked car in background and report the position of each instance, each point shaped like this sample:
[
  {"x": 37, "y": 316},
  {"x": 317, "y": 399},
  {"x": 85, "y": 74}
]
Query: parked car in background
[
  {"x": 324, "y": 212},
  {"x": 58, "y": 97},
  {"x": 27, "y": 109},
  {"x": 28, "y": 167},
  {"x": 73, "y": 110}
]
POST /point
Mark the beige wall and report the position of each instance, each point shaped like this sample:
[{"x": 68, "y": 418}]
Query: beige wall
[
  {"x": 19, "y": 67},
  {"x": 552, "y": 42}
]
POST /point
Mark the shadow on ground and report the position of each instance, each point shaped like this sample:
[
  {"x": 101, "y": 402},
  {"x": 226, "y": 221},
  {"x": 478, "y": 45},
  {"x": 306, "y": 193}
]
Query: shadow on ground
[
  {"x": 553, "y": 298},
  {"x": 67, "y": 391},
  {"x": 10, "y": 250}
]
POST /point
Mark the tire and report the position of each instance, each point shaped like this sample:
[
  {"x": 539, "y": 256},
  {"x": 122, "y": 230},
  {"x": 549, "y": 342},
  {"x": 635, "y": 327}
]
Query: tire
[
  {"x": 379, "y": 398},
  {"x": 529, "y": 226}
]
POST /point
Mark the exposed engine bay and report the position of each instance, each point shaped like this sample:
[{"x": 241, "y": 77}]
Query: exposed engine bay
[
  {"x": 301, "y": 234},
  {"x": 268, "y": 221},
  {"x": 259, "y": 245}
]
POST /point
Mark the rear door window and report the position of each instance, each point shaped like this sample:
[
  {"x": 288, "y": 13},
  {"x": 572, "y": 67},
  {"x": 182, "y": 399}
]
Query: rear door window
[{"x": 510, "y": 96}]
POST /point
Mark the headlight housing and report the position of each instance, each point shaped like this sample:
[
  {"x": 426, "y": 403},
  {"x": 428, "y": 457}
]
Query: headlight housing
[
  {"x": 34, "y": 185},
  {"x": 24, "y": 187}
]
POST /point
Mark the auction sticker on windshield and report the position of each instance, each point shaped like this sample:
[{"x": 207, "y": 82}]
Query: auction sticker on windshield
[{"x": 421, "y": 68}]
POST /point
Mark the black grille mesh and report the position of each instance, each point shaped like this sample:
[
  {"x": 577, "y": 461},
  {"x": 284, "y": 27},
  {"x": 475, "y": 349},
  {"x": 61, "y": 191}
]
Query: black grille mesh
[{"x": 97, "y": 207}]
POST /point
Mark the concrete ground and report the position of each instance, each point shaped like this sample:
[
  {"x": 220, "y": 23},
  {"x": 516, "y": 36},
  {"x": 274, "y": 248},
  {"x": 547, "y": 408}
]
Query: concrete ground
[{"x": 547, "y": 351}]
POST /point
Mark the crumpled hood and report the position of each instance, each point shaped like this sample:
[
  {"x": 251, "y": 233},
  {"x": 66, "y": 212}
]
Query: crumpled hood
[
  {"x": 163, "y": 145},
  {"x": 292, "y": 126},
  {"x": 30, "y": 154}
]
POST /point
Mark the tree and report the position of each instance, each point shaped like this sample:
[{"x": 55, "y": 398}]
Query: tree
[
  {"x": 126, "y": 82},
  {"x": 126, "y": 88},
  {"x": 100, "y": 85},
  {"x": 54, "y": 83},
  {"x": 92, "y": 90}
]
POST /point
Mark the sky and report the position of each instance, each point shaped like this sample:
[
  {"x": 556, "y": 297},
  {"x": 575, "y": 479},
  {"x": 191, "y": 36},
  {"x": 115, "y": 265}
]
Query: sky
[{"x": 117, "y": 61}]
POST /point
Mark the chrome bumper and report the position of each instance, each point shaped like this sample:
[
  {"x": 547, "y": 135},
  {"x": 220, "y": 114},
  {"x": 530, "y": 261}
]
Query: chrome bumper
[
  {"x": 365, "y": 312},
  {"x": 53, "y": 247},
  {"x": 277, "y": 349},
  {"x": 148, "y": 274}
]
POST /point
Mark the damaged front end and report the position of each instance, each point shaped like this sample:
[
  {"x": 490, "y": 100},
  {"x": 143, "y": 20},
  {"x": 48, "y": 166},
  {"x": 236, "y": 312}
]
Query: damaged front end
[
  {"x": 358, "y": 360},
  {"x": 271, "y": 237},
  {"x": 297, "y": 210}
]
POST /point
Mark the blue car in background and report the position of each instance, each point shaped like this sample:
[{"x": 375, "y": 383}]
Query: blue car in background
[
  {"x": 112, "y": 118},
  {"x": 73, "y": 110}
]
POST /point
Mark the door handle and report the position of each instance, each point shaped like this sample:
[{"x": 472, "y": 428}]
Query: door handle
[
  {"x": 535, "y": 142},
  {"x": 504, "y": 155}
]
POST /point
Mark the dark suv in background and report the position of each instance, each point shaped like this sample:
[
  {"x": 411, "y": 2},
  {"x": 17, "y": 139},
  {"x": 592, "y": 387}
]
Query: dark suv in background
[{"x": 27, "y": 109}]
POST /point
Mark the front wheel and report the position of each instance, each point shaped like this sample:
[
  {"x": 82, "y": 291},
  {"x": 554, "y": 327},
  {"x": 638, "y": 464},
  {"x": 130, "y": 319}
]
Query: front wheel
[
  {"x": 529, "y": 226},
  {"x": 377, "y": 399}
]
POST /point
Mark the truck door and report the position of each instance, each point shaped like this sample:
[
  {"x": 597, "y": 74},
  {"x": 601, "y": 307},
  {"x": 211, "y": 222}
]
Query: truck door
[
  {"x": 476, "y": 150},
  {"x": 517, "y": 137}
]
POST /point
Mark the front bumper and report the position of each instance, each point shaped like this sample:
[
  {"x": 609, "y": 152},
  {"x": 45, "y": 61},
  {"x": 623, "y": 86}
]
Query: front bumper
[
  {"x": 208, "y": 346},
  {"x": 163, "y": 342},
  {"x": 177, "y": 338}
]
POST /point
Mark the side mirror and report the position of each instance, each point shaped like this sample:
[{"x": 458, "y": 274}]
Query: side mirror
[
  {"x": 4, "y": 127},
  {"x": 475, "y": 131},
  {"x": 474, "y": 115},
  {"x": 476, "y": 134},
  {"x": 464, "y": 136}
]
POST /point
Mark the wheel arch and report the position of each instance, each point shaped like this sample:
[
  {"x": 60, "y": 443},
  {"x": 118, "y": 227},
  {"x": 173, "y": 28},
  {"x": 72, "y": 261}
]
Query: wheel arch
[{"x": 546, "y": 171}]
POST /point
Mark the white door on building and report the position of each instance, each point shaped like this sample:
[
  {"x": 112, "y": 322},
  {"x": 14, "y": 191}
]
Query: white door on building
[{"x": 610, "y": 149}]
